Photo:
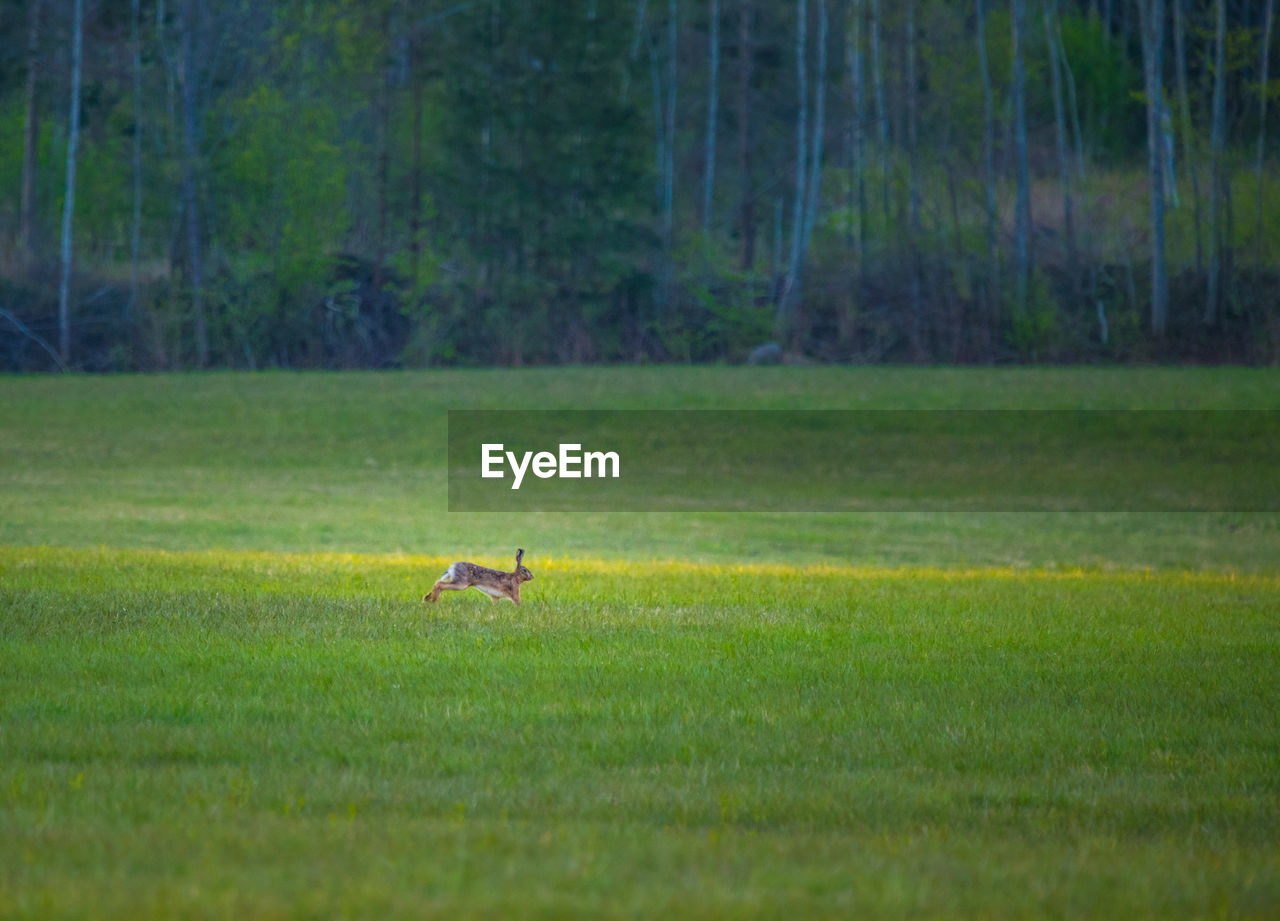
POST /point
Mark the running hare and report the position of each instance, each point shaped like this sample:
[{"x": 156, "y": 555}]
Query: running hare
[{"x": 493, "y": 582}]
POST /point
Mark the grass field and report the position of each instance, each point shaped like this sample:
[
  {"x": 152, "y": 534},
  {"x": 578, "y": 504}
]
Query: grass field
[{"x": 221, "y": 695}]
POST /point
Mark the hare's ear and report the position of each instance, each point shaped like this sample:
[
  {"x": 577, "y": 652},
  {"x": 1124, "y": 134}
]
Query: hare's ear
[{"x": 519, "y": 557}]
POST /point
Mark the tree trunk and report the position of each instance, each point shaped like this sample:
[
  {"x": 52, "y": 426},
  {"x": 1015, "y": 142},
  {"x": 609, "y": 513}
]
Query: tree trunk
[
  {"x": 384, "y": 154},
  {"x": 69, "y": 200},
  {"x": 787, "y": 301},
  {"x": 819, "y": 129},
  {"x": 1060, "y": 131},
  {"x": 713, "y": 103},
  {"x": 913, "y": 186},
  {"x": 854, "y": 166},
  {"x": 882, "y": 113},
  {"x": 860, "y": 132},
  {"x": 30, "y": 137},
  {"x": 1262, "y": 130},
  {"x": 1022, "y": 210},
  {"x": 415, "y": 191},
  {"x": 989, "y": 170},
  {"x": 1090, "y": 261},
  {"x": 135, "y": 230},
  {"x": 1151, "y": 17},
  {"x": 669, "y": 167},
  {"x": 746, "y": 55},
  {"x": 913, "y": 165},
  {"x": 1188, "y": 134},
  {"x": 1216, "y": 138},
  {"x": 189, "y": 196}
]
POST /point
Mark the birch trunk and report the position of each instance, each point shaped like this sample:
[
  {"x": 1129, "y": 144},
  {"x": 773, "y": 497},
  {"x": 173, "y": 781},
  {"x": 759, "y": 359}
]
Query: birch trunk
[
  {"x": 1151, "y": 17},
  {"x": 384, "y": 156},
  {"x": 787, "y": 300},
  {"x": 1022, "y": 209},
  {"x": 1188, "y": 135},
  {"x": 913, "y": 165},
  {"x": 30, "y": 138},
  {"x": 819, "y": 129},
  {"x": 1083, "y": 176},
  {"x": 415, "y": 190},
  {"x": 69, "y": 200},
  {"x": 135, "y": 230},
  {"x": 189, "y": 181},
  {"x": 668, "y": 184},
  {"x": 1216, "y": 137},
  {"x": 746, "y": 54},
  {"x": 1060, "y": 131},
  {"x": 913, "y": 186},
  {"x": 1262, "y": 130},
  {"x": 989, "y": 171},
  {"x": 713, "y": 103},
  {"x": 882, "y": 114},
  {"x": 860, "y": 132}
]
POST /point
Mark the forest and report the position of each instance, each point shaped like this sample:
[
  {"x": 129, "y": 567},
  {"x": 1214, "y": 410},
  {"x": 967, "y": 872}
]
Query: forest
[{"x": 410, "y": 183}]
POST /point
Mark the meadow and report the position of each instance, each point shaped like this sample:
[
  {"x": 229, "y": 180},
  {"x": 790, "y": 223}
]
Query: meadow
[{"x": 222, "y": 696}]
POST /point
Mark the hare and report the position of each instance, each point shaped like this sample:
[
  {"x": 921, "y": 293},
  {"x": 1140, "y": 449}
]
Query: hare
[{"x": 493, "y": 582}]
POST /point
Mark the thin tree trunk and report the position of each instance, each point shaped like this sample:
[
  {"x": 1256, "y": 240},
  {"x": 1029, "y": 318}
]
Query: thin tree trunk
[
  {"x": 30, "y": 137},
  {"x": 415, "y": 191},
  {"x": 189, "y": 181},
  {"x": 668, "y": 184},
  {"x": 384, "y": 156},
  {"x": 1022, "y": 210},
  {"x": 913, "y": 186},
  {"x": 850, "y": 160},
  {"x": 713, "y": 104},
  {"x": 135, "y": 231},
  {"x": 69, "y": 200},
  {"x": 989, "y": 170},
  {"x": 746, "y": 55},
  {"x": 777, "y": 242},
  {"x": 787, "y": 301},
  {"x": 1060, "y": 130},
  {"x": 819, "y": 129},
  {"x": 659, "y": 122},
  {"x": 1188, "y": 135},
  {"x": 1080, "y": 171},
  {"x": 1262, "y": 131},
  {"x": 1216, "y": 137},
  {"x": 882, "y": 113},
  {"x": 913, "y": 180},
  {"x": 860, "y": 132},
  {"x": 1151, "y": 15}
]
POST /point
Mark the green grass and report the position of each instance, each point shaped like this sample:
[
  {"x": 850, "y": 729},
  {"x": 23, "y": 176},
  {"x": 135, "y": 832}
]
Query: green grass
[
  {"x": 207, "y": 734},
  {"x": 221, "y": 695},
  {"x": 355, "y": 462}
]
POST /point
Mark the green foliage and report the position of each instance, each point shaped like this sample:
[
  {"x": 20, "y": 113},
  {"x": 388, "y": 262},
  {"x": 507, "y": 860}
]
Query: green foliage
[
  {"x": 1033, "y": 328},
  {"x": 726, "y": 308},
  {"x": 474, "y": 184},
  {"x": 1106, "y": 79}
]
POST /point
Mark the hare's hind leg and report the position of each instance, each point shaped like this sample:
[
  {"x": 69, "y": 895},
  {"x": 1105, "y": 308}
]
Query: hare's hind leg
[
  {"x": 443, "y": 586},
  {"x": 445, "y": 583}
]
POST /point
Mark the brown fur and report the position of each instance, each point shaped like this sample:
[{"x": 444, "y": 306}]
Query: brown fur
[{"x": 494, "y": 583}]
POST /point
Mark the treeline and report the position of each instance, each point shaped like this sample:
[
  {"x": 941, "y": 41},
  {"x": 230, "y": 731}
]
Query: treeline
[{"x": 383, "y": 183}]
